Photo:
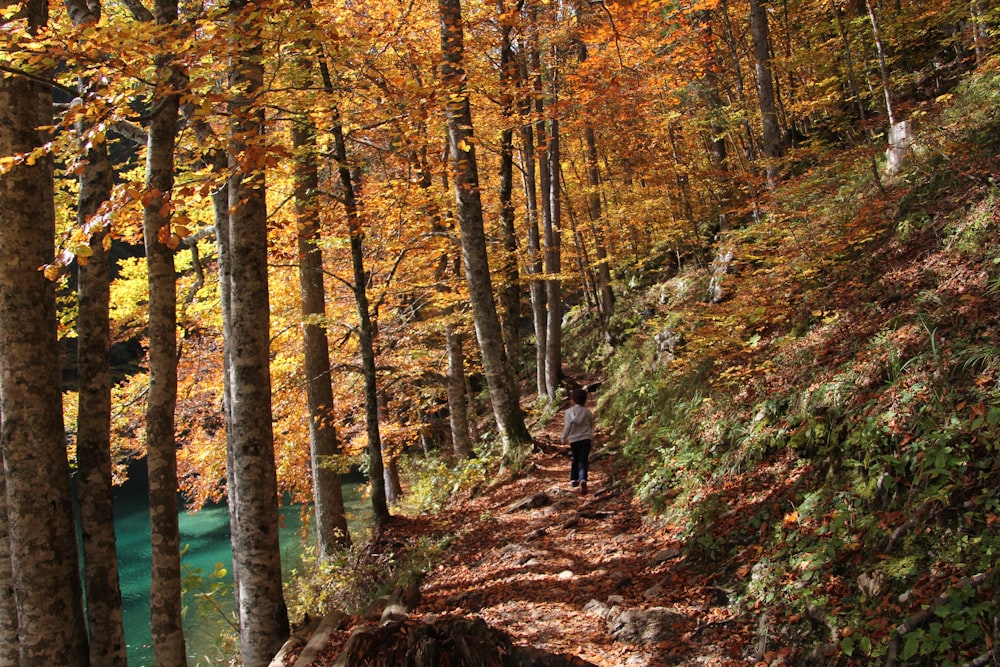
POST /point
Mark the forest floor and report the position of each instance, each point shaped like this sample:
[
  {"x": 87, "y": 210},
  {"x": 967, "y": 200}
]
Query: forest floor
[{"x": 559, "y": 576}]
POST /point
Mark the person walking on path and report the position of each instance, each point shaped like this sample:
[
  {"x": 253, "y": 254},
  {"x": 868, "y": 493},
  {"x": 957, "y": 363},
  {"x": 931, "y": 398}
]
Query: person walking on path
[{"x": 577, "y": 433}]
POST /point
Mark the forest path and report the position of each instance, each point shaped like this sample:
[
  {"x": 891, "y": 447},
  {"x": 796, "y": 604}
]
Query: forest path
[
  {"x": 584, "y": 575},
  {"x": 560, "y": 575}
]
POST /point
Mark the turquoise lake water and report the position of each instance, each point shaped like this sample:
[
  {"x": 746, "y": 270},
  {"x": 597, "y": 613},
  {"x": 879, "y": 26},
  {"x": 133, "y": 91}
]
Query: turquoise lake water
[{"x": 206, "y": 535}]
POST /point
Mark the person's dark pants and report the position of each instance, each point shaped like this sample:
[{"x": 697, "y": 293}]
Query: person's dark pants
[{"x": 581, "y": 458}]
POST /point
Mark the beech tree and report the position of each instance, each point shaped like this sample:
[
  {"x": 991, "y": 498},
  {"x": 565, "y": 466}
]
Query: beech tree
[
  {"x": 504, "y": 393},
  {"x": 161, "y": 449},
  {"x": 93, "y": 428},
  {"x": 253, "y": 489},
  {"x": 44, "y": 566}
]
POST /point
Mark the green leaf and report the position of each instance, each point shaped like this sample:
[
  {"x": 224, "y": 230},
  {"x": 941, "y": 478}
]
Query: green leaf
[{"x": 847, "y": 646}]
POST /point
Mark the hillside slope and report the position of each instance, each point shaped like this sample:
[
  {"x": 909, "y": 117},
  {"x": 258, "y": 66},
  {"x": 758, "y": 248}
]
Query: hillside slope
[
  {"x": 826, "y": 434},
  {"x": 803, "y": 471}
]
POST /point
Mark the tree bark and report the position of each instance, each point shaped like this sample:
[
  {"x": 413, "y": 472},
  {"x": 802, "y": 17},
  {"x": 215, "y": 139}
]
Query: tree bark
[
  {"x": 510, "y": 295},
  {"x": 331, "y": 520},
  {"x": 458, "y": 406},
  {"x": 366, "y": 334},
  {"x": 504, "y": 393},
  {"x": 553, "y": 267},
  {"x": 534, "y": 244},
  {"x": 93, "y": 431},
  {"x": 45, "y": 573},
  {"x": 883, "y": 63},
  {"x": 93, "y": 439},
  {"x": 771, "y": 133},
  {"x": 263, "y": 616},
  {"x": 607, "y": 296},
  {"x": 161, "y": 449}
]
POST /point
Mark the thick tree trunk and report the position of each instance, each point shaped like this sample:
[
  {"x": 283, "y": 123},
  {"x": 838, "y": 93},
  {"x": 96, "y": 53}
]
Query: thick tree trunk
[
  {"x": 331, "y": 521},
  {"x": 263, "y": 616},
  {"x": 771, "y": 133},
  {"x": 504, "y": 393},
  {"x": 45, "y": 573}
]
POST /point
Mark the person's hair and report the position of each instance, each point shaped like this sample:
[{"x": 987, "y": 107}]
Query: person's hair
[{"x": 580, "y": 396}]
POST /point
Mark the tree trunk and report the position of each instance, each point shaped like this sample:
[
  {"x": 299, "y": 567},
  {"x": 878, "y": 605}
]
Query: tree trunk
[
  {"x": 93, "y": 439},
  {"x": 510, "y": 295},
  {"x": 553, "y": 267},
  {"x": 504, "y": 393},
  {"x": 534, "y": 247},
  {"x": 93, "y": 431},
  {"x": 458, "y": 406},
  {"x": 544, "y": 147},
  {"x": 263, "y": 616},
  {"x": 594, "y": 208},
  {"x": 390, "y": 457},
  {"x": 771, "y": 133},
  {"x": 161, "y": 449},
  {"x": 45, "y": 573},
  {"x": 390, "y": 454},
  {"x": 331, "y": 521},
  {"x": 883, "y": 63},
  {"x": 366, "y": 334}
]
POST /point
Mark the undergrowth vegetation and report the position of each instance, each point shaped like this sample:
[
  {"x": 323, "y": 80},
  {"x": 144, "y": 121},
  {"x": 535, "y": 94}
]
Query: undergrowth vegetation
[{"x": 827, "y": 433}]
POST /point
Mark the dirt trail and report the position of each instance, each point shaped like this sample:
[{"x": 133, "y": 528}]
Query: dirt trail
[
  {"x": 561, "y": 575},
  {"x": 532, "y": 572}
]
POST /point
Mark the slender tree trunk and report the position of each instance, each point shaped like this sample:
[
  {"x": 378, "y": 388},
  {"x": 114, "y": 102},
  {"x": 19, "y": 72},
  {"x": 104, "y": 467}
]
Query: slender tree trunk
[
  {"x": 458, "y": 406},
  {"x": 594, "y": 208},
  {"x": 93, "y": 440},
  {"x": 161, "y": 450},
  {"x": 510, "y": 295},
  {"x": 504, "y": 392},
  {"x": 263, "y": 616},
  {"x": 331, "y": 520},
  {"x": 553, "y": 254},
  {"x": 980, "y": 30},
  {"x": 220, "y": 205},
  {"x": 390, "y": 456},
  {"x": 45, "y": 573},
  {"x": 771, "y": 133},
  {"x": 93, "y": 432},
  {"x": 366, "y": 333},
  {"x": 534, "y": 247},
  {"x": 883, "y": 63}
]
